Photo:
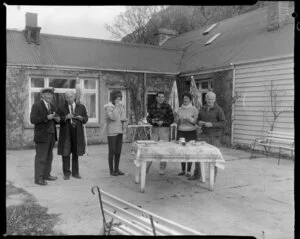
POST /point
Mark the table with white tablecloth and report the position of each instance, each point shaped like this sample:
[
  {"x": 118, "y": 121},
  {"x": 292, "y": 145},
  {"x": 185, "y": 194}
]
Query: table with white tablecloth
[{"x": 172, "y": 151}]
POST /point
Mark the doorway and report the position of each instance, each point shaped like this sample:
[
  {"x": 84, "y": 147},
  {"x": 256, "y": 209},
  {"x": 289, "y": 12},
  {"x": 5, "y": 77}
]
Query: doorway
[{"x": 151, "y": 99}]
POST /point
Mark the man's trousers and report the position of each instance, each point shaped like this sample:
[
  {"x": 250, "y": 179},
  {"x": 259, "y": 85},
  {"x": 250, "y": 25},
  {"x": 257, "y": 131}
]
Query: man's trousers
[{"x": 43, "y": 158}]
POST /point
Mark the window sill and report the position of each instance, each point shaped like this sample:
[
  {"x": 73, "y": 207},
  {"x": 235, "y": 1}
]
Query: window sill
[
  {"x": 92, "y": 125},
  {"x": 88, "y": 125}
]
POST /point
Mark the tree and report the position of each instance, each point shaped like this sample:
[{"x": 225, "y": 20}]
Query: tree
[
  {"x": 135, "y": 22},
  {"x": 276, "y": 108},
  {"x": 140, "y": 23}
]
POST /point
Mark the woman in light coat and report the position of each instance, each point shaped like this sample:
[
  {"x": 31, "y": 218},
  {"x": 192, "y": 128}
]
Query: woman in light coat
[{"x": 116, "y": 122}]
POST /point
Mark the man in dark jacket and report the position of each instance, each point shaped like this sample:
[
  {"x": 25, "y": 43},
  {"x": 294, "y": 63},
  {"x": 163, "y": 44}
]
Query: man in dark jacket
[
  {"x": 71, "y": 135},
  {"x": 212, "y": 120},
  {"x": 160, "y": 116},
  {"x": 44, "y": 118}
]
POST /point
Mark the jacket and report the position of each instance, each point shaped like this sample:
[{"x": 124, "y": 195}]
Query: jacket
[
  {"x": 116, "y": 120},
  {"x": 164, "y": 113},
  {"x": 42, "y": 126},
  {"x": 214, "y": 115},
  {"x": 64, "y": 142}
]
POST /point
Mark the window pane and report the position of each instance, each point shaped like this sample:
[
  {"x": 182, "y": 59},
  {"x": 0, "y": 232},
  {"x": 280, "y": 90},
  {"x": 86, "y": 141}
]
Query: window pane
[
  {"x": 204, "y": 85},
  {"x": 58, "y": 99},
  {"x": 89, "y": 84},
  {"x": 35, "y": 97},
  {"x": 62, "y": 83},
  {"x": 37, "y": 82},
  {"x": 203, "y": 98},
  {"x": 90, "y": 103}
]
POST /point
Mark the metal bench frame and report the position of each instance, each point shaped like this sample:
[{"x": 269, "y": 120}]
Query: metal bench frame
[
  {"x": 128, "y": 219},
  {"x": 275, "y": 139}
]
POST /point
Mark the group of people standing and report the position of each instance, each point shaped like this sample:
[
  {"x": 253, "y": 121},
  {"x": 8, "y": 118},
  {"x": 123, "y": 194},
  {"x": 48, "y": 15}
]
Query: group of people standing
[
  {"x": 210, "y": 119},
  {"x": 72, "y": 115}
]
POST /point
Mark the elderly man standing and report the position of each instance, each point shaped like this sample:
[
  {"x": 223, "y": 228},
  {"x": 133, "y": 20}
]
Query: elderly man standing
[
  {"x": 212, "y": 120},
  {"x": 44, "y": 118},
  {"x": 71, "y": 135},
  {"x": 160, "y": 116}
]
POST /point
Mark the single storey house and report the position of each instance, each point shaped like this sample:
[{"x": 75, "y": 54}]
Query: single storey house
[{"x": 241, "y": 59}]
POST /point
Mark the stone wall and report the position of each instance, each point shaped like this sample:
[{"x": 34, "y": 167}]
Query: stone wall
[{"x": 16, "y": 107}]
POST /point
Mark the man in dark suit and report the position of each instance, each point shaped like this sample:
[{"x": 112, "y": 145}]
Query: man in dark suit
[
  {"x": 71, "y": 135},
  {"x": 44, "y": 118}
]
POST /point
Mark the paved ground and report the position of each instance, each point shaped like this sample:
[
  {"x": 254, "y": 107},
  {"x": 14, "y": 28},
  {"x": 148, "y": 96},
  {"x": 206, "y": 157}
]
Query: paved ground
[{"x": 250, "y": 196}]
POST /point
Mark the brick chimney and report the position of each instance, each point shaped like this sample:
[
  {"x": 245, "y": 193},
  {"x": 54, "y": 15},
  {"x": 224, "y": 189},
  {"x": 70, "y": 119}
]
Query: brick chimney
[
  {"x": 32, "y": 31},
  {"x": 163, "y": 34},
  {"x": 279, "y": 13}
]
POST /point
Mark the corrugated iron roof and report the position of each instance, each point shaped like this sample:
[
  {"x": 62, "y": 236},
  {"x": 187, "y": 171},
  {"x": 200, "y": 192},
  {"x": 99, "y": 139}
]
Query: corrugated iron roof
[
  {"x": 57, "y": 50},
  {"x": 244, "y": 37}
]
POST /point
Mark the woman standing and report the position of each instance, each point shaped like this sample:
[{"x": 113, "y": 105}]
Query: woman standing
[
  {"x": 116, "y": 123},
  {"x": 186, "y": 118}
]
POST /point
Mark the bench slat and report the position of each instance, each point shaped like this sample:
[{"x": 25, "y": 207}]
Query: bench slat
[
  {"x": 139, "y": 230},
  {"x": 277, "y": 139},
  {"x": 129, "y": 230},
  {"x": 280, "y": 138},
  {"x": 157, "y": 232},
  {"x": 277, "y": 146},
  {"x": 121, "y": 230},
  {"x": 280, "y": 135},
  {"x": 162, "y": 221},
  {"x": 283, "y": 141},
  {"x": 161, "y": 228},
  {"x": 142, "y": 221},
  {"x": 280, "y": 132}
]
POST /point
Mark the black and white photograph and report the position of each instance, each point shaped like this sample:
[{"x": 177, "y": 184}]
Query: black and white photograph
[{"x": 150, "y": 120}]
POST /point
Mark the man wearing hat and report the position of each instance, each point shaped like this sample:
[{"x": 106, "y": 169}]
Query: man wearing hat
[{"x": 44, "y": 118}]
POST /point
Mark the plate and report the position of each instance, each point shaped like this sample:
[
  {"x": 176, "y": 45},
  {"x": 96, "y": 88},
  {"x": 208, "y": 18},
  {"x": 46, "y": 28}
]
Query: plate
[{"x": 146, "y": 141}]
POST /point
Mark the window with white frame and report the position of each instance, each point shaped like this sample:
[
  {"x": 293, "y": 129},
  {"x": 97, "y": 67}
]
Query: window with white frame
[
  {"x": 124, "y": 97},
  {"x": 89, "y": 92},
  {"x": 90, "y": 98}
]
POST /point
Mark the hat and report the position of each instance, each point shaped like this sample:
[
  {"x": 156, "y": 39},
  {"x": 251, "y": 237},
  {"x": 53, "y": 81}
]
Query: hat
[
  {"x": 48, "y": 89},
  {"x": 115, "y": 94}
]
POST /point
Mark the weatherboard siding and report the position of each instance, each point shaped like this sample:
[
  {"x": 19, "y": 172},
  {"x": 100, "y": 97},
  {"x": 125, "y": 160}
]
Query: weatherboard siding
[{"x": 252, "y": 110}]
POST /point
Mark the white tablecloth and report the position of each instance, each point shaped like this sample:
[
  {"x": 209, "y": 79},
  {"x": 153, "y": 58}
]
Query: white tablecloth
[{"x": 175, "y": 152}]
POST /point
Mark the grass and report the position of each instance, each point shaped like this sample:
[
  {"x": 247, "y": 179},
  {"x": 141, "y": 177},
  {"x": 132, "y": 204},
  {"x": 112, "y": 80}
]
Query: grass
[{"x": 28, "y": 218}]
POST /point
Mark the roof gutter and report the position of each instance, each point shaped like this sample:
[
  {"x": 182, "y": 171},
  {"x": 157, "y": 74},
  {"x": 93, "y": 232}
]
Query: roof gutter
[
  {"x": 231, "y": 66},
  {"x": 264, "y": 59},
  {"x": 206, "y": 71},
  {"x": 33, "y": 66}
]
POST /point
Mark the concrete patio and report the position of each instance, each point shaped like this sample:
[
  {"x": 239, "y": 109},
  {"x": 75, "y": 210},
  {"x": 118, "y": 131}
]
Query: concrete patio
[{"x": 250, "y": 197}]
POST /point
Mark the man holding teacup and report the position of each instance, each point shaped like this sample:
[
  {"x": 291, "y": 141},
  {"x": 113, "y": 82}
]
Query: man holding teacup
[{"x": 212, "y": 120}]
